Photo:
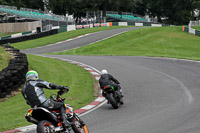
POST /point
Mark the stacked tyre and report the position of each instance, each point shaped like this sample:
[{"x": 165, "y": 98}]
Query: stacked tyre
[{"x": 12, "y": 77}]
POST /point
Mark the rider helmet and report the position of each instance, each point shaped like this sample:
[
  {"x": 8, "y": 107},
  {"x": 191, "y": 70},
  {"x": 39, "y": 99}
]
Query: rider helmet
[
  {"x": 32, "y": 75},
  {"x": 104, "y": 71}
]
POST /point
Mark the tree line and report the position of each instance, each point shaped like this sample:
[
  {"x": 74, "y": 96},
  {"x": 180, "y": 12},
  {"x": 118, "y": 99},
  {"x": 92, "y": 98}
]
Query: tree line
[{"x": 176, "y": 12}]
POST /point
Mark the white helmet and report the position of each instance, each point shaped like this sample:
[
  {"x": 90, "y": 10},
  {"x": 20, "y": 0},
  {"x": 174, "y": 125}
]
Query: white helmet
[
  {"x": 104, "y": 71},
  {"x": 32, "y": 75}
]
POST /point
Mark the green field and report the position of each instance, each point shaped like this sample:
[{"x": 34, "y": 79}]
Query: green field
[
  {"x": 161, "y": 42},
  {"x": 196, "y": 27},
  {"x": 5, "y": 34},
  {"x": 4, "y": 58},
  {"x": 78, "y": 79},
  {"x": 60, "y": 37}
]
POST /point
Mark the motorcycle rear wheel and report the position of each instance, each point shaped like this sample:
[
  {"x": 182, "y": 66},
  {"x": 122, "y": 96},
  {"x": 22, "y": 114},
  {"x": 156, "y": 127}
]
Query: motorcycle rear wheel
[
  {"x": 45, "y": 126},
  {"x": 112, "y": 101}
]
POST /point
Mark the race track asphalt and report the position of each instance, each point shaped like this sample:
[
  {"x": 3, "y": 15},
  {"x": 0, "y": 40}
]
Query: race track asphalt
[
  {"x": 161, "y": 95},
  {"x": 79, "y": 41}
]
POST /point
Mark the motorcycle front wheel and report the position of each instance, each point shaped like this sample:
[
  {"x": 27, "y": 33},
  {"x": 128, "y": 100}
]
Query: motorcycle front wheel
[
  {"x": 45, "y": 126},
  {"x": 112, "y": 101},
  {"x": 79, "y": 127}
]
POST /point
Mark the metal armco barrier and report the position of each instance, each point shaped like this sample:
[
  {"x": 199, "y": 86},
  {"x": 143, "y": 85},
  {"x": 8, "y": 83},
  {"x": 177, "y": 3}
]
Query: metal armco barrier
[
  {"x": 191, "y": 31},
  {"x": 13, "y": 76},
  {"x": 197, "y": 32}
]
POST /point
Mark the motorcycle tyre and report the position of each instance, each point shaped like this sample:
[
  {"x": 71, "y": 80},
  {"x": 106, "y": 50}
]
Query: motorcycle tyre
[
  {"x": 40, "y": 126},
  {"x": 112, "y": 101},
  {"x": 75, "y": 127}
]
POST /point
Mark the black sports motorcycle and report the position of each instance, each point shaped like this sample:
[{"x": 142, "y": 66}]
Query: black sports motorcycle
[
  {"x": 48, "y": 121},
  {"x": 113, "y": 97}
]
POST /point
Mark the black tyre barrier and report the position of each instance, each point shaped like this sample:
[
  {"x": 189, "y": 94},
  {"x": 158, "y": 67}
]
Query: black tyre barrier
[
  {"x": 13, "y": 76},
  {"x": 29, "y": 37},
  {"x": 2, "y": 85},
  {"x": 2, "y": 95},
  {"x": 8, "y": 91},
  {"x": 10, "y": 85}
]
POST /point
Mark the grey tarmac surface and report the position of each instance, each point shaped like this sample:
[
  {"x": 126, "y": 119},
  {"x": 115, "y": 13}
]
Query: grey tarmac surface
[
  {"x": 78, "y": 42},
  {"x": 161, "y": 95}
]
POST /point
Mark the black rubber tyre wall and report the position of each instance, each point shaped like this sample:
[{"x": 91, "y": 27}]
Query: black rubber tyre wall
[
  {"x": 29, "y": 37},
  {"x": 13, "y": 76}
]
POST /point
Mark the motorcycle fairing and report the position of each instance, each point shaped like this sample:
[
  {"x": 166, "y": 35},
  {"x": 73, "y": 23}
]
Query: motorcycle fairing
[{"x": 40, "y": 113}]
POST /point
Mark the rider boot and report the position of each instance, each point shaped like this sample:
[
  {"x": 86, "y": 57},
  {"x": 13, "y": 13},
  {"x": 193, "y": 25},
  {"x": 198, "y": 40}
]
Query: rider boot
[
  {"x": 120, "y": 95},
  {"x": 122, "y": 102},
  {"x": 66, "y": 123},
  {"x": 120, "y": 91}
]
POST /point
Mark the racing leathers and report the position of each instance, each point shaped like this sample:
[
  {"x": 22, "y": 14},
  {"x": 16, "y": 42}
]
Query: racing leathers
[
  {"x": 34, "y": 95},
  {"x": 107, "y": 79}
]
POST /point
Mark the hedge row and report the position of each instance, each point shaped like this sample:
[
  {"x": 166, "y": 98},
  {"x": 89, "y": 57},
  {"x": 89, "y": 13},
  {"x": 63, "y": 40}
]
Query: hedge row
[{"x": 12, "y": 77}]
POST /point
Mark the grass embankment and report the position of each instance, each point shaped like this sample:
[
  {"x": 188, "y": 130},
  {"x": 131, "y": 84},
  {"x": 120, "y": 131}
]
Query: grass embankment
[
  {"x": 60, "y": 37},
  {"x": 79, "y": 80},
  {"x": 6, "y": 34},
  {"x": 160, "y": 42},
  {"x": 4, "y": 58},
  {"x": 196, "y": 27}
]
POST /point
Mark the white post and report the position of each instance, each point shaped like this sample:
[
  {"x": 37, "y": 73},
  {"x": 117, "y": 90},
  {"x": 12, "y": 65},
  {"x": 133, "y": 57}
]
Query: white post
[{"x": 190, "y": 24}]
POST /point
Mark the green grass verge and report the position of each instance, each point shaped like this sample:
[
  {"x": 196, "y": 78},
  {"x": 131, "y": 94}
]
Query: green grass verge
[
  {"x": 5, "y": 34},
  {"x": 162, "y": 42},
  {"x": 60, "y": 37},
  {"x": 78, "y": 79},
  {"x": 196, "y": 27},
  {"x": 4, "y": 58}
]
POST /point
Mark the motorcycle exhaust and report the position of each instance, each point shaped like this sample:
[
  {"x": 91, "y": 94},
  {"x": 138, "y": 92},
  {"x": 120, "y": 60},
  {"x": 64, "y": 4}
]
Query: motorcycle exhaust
[
  {"x": 58, "y": 129},
  {"x": 31, "y": 119}
]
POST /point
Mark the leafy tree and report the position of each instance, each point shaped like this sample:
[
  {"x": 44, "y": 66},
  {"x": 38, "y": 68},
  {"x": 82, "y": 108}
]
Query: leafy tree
[
  {"x": 58, "y": 6},
  {"x": 3, "y": 2},
  {"x": 177, "y": 11},
  {"x": 194, "y": 6},
  {"x": 33, "y": 4}
]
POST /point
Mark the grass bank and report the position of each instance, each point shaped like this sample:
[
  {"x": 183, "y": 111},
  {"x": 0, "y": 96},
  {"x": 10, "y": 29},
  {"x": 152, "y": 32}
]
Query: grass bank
[
  {"x": 6, "y": 34},
  {"x": 196, "y": 27},
  {"x": 4, "y": 58},
  {"x": 79, "y": 80},
  {"x": 160, "y": 42},
  {"x": 60, "y": 37}
]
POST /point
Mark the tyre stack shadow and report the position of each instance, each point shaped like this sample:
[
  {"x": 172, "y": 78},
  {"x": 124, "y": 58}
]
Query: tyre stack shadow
[{"x": 13, "y": 76}]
